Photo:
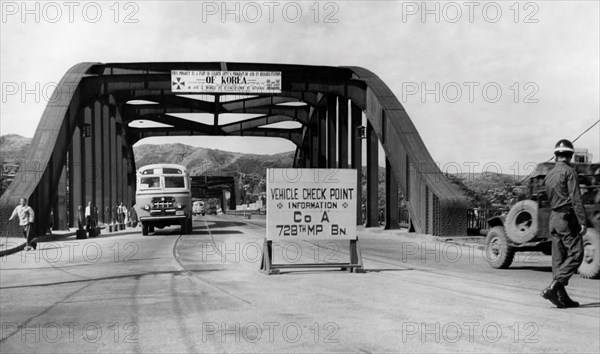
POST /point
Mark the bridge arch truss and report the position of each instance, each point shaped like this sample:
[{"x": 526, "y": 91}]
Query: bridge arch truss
[{"x": 82, "y": 148}]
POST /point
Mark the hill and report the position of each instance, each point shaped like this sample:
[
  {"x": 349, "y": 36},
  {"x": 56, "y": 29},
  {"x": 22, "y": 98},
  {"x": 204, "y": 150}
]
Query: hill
[
  {"x": 490, "y": 188},
  {"x": 202, "y": 161},
  {"x": 483, "y": 189},
  {"x": 13, "y": 148}
]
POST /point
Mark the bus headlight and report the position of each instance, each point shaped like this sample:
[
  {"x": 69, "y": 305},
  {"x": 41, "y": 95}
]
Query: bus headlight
[
  {"x": 178, "y": 205},
  {"x": 147, "y": 207}
]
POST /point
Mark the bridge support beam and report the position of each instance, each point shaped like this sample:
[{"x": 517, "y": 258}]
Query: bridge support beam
[
  {"x": 343, "y": 146},
  {"x": 356, "y": 151},
  {"x": 223, "y": 201},
  {"x": 76, "y": 187},
  {"x": 332, "y": 131},
  {"x": 97, "y": 162},
  {"x": 88, "y": 166},
  {"x": 314, "y": 139},
  {"x": 372, "y": 177},
  {"x": 60, "y": 221},
  {"x": 104, "y": 212},
  {"x": 234, "y": 196},
  {"x": 119, "y": 162},
  {"x": 391, "y": 198},
  {"x": 322, "y": 141},
  {"x": 113, "y": 171}
]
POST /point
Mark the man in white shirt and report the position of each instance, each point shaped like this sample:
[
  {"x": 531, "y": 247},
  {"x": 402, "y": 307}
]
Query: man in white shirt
[
  {"x": 88, "y": 214},
  {"x": 26, "y": 216}
]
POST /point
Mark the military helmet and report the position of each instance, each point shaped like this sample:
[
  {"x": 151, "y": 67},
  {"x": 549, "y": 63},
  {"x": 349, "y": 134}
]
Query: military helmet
[{"x": 563, "y": 145}]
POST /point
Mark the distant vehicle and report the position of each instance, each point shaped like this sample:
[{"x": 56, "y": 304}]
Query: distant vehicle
[
  {"x": 212, "y": 210},
  {"x": 525, "y": 227},
  {"x": 163, "y": 197},
  {"x": 198, "y": 208}
]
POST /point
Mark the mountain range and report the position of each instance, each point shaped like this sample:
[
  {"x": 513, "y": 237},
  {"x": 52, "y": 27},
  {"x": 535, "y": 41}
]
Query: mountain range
[
  {"x": 482, "y": 189},
  {"x": 13, "y": 148},
  {"x": 202, "y": 161}
]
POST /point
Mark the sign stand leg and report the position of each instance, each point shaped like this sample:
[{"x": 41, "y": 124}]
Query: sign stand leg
[
  {"x": 355, "y": 257},
  {"x": 267, "y": 258}
]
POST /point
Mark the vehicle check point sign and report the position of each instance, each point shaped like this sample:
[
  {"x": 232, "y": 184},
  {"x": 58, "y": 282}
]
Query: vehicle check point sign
[{"x": 311, "y": 205}]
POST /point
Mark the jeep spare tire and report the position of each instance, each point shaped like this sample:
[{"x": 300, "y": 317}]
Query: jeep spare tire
[{"x": 522, "y": 221}]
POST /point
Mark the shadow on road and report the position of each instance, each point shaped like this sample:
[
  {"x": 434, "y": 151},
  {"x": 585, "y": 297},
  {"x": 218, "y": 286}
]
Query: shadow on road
[
  {"x": 546, "y": 269},
  {"x": 85, "y": 280},
  {"x": 104, "y": 234},
  {"x": 222, "y": 224},
  {"x": 217, "y": 232},
  {"x": 387, "y": 270}
]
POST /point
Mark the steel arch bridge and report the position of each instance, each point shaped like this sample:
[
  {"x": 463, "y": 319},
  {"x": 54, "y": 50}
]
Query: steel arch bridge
[{"x": 84, "y": 140}]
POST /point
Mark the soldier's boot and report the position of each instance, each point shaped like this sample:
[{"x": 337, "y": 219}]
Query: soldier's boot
[
  {"x": 564, "y": 297},
  {"x": 551, "y": 294}
]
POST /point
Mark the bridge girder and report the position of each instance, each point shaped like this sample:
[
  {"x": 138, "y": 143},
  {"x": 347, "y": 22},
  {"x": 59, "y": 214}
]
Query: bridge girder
[{"x": 86, "y": 131}]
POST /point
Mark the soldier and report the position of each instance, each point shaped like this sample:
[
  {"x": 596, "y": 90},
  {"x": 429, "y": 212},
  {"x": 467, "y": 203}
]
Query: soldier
[{"x": 567, "y": 224}]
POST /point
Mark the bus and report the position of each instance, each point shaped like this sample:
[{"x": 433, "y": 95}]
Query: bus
[{"x": 163, "y": 197}]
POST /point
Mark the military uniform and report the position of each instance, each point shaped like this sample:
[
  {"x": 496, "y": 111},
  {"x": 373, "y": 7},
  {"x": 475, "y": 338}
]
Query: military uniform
[
  {"x": 568, "y": 214},
  {"x": 562, "y": 187}
]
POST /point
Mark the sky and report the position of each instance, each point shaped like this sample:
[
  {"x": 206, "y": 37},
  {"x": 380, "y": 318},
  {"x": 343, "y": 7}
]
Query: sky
[{"x": 490, "y": 86}]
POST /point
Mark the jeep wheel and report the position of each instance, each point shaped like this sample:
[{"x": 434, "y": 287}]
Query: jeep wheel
[
  {"x": 522, "y": 221},
  {"x": 590, "y": 267},
  {"x": 498, "y": 252}
]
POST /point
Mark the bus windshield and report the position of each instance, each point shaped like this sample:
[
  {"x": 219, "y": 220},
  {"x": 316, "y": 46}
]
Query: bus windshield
[
  {"x": 157, "y": 177},
  {"x": 150, "y": 182},
  {"x": 174, "y": 182}
]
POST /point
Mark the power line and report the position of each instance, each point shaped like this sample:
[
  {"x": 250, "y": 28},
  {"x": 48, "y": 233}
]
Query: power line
[
  {"x": 574, "y": 140},
  {"x": 598, "y": 121},
  {"x": 580, "y": 135}
]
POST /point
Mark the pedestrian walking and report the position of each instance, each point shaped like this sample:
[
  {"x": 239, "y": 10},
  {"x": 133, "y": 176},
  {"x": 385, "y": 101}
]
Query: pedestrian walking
[
  {"x": 133, "y": 216},
  {"x": 26, "y": 217},
  {"x": 567, "y": 224},
  {"x": 88, "y": 216},
  {"x": 121, "y": 213}
]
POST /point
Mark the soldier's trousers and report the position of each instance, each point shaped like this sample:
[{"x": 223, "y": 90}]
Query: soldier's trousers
[{"x": 567, "y": 246}]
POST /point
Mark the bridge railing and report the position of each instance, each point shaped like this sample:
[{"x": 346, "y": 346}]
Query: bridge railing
[{"x": 477, "y": 218}]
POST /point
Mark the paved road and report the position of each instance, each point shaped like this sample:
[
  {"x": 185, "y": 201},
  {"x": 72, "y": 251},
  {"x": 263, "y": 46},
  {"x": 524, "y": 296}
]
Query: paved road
[{"x": 203, "y": 293}]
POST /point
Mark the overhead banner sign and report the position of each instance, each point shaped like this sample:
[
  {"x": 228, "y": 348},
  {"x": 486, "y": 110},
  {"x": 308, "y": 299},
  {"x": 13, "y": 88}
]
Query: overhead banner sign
[
  {"x": 309, "y": 204},
  {"x": 188, "y": 81}
]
